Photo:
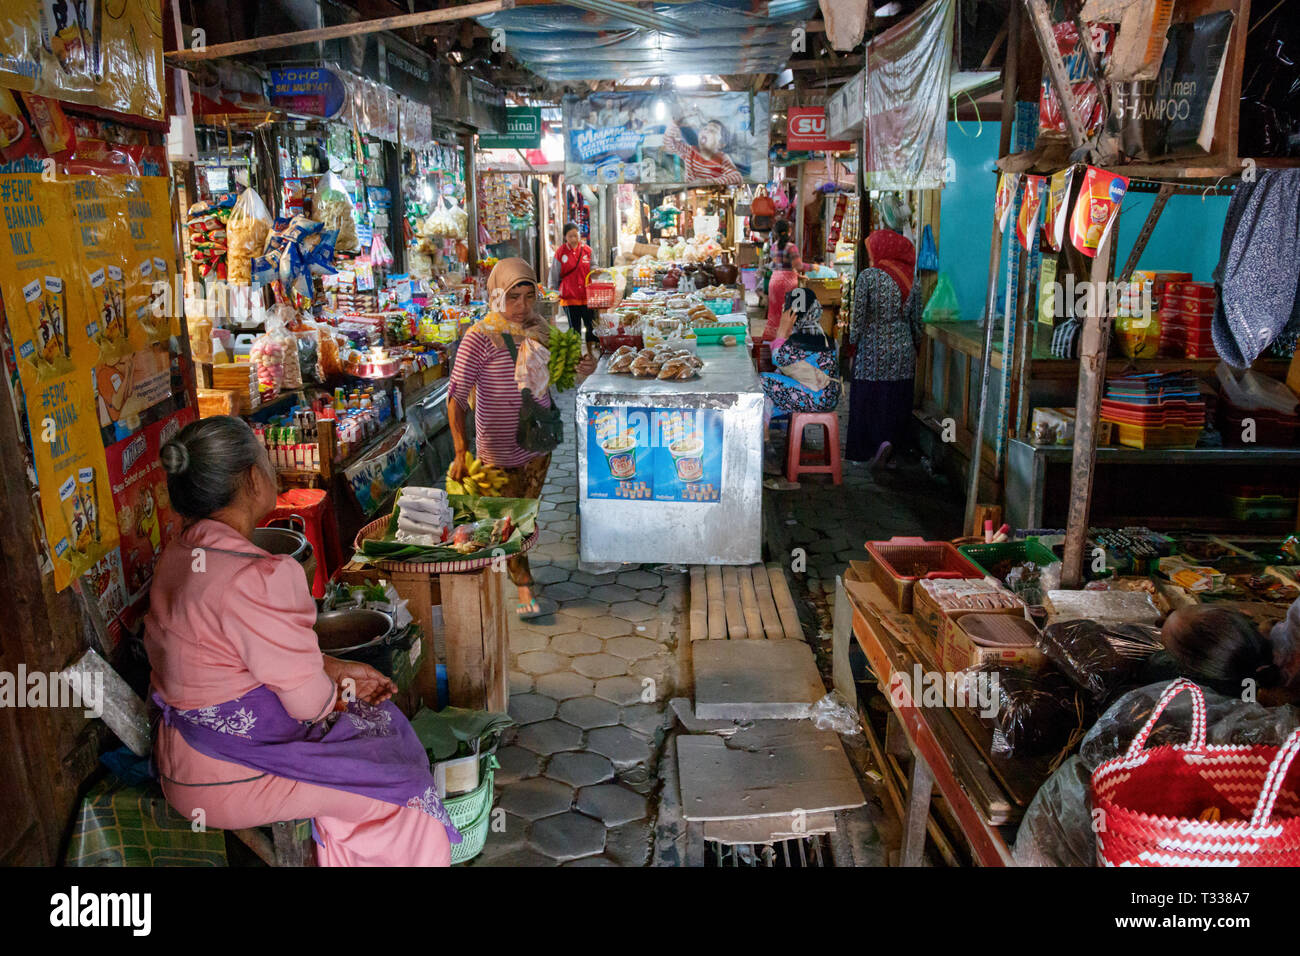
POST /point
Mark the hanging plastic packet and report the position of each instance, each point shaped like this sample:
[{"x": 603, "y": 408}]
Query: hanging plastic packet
[
  {"x": 1058, "y": 195},
  {"x": 1008, "y": 183},
  {"x": 1095, "y": 210},
  {"x": 1027, "y": 223}
]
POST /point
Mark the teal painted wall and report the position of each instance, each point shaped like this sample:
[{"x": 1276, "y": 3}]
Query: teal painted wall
[{"x": 1185, "y": 239}]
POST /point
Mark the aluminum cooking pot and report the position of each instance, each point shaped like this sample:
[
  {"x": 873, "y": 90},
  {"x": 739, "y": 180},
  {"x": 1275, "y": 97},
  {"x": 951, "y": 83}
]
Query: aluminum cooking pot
[
  {"x": 291, "y": 542},
  {"x": 350, "y": 629}
]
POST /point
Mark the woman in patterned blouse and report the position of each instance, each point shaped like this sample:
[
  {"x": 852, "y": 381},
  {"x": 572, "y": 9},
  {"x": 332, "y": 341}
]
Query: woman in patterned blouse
[{"x": 886, "y": 332}]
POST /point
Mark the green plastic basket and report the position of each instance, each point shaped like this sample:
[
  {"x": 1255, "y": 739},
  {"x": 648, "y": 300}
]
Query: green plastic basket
[
  {"x": 471, "y": 813},
  {"x": 711, "y": 334},
  {"x": 986, "y": 556}
]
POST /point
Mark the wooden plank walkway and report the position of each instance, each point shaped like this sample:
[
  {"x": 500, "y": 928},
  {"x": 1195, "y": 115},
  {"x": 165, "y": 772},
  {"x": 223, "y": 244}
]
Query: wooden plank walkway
[{"x": 742, "y": 602}]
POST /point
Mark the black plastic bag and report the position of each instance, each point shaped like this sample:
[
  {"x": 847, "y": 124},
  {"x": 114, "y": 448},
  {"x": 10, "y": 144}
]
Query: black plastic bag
[
  {"x": 1038, "y": 712},
  {"x": 1099, "y": 659}
]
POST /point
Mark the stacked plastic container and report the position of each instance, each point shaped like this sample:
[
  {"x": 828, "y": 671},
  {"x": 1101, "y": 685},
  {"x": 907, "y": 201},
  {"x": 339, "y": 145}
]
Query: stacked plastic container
[
  {"x": 1155, "y": 410},
  {"x": 1256, "y": 411}
]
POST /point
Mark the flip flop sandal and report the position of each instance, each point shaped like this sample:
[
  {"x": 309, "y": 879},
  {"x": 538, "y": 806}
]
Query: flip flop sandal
[{"x": 537, "y": 607}]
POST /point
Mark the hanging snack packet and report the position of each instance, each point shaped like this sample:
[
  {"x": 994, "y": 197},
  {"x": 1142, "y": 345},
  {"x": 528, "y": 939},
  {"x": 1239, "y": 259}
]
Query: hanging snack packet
[
  {"x": 1058, "y": 195},
  {"x": 246, "y": 233},
  {"x": 1099, "y": 201},
  {"x": 1008, "y": 183},
  {"x": 1027, "y": 222}
]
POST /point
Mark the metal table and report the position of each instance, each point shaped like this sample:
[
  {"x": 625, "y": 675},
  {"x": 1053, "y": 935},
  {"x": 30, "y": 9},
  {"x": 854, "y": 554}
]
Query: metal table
[{"x": 728, "y": 530}]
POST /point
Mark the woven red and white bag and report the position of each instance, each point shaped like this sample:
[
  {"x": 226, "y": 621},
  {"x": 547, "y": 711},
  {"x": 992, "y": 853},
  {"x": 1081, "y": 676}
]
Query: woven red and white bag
[{"x": 1197, "y": 804}]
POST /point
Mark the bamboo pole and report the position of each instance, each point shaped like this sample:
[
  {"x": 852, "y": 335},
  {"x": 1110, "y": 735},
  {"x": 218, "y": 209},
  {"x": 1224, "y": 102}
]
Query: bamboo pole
[{"x": 280, "y": 40}]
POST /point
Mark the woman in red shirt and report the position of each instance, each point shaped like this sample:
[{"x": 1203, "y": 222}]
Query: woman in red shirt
[{"x": 569, "y": 275}]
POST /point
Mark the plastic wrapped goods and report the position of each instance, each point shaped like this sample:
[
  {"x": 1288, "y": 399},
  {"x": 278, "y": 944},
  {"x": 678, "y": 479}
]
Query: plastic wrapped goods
[
  {"x": 246, "y": 232},
  {"x": 333, "y": 207},
  {"x": 1038, "y": 712},
  {"x": 1099, "y": 659}
]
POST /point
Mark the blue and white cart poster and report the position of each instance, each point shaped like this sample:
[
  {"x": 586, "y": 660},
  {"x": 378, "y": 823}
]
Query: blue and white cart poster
[
  {"x": 620, "y": 456},
  {"x": 688, "y": 455}
]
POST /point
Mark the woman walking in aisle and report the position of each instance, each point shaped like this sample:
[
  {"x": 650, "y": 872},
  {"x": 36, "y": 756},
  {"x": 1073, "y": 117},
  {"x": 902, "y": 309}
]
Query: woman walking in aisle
[
  {"x": 786, "y": 266},
  {"x": 886, "y": 332},
  {"x": 569, "y": 272}
]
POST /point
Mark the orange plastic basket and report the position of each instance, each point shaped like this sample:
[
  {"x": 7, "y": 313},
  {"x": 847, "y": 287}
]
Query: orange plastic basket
[
  {"x": 899, "y": 563},
  {"x": 600, "y": 295}
]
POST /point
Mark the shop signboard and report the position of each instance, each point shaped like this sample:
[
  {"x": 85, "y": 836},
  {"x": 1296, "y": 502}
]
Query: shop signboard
[
  {"x": 308, "y": 90},
  {"x": 806, "y": 129},
  {"x": 523, "y": 130},
  {"x": 846, "y": 109},
  {"x": 655, "y": 454},
  {"x": 667, "y": 138}
]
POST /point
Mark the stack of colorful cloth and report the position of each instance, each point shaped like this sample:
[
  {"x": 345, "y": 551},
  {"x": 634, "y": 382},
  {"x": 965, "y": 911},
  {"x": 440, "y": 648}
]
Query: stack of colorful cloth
[
  {"x": 1155, "y": 410},
  {"x": 424, "y": 516}
]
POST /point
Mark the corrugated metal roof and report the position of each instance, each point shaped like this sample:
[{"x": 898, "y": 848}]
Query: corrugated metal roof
[{"x": 568, "y": 44}]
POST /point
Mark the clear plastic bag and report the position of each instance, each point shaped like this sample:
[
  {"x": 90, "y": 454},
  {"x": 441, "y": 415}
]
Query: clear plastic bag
[
  {"x": 833, "y": 712},
  {"x": 250, "y": 223},
  {"x": 332, "y": 206},
  {"x": 531, "y": 368},
  {"x": 942, "y": 306},
  {"x": 1056, "y": 829}
]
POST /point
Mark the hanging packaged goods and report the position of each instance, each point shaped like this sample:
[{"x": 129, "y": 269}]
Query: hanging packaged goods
[
  {"x": 698, "y": 139},
  {"x": 93, "y": 52}
]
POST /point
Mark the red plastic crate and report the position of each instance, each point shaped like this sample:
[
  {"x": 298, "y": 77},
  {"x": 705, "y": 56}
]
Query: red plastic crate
[{"x": 899, "y": 563}]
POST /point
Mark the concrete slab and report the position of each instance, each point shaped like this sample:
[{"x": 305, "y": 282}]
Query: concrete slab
[
  {"x": 755, "y": 680},
  {"x": 773, "y": 769}
]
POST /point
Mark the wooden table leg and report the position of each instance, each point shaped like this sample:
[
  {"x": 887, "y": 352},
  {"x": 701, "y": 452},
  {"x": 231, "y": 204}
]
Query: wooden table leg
[
  {"x": 476, "y": 630},
  {"x": 918, "y": 811}
]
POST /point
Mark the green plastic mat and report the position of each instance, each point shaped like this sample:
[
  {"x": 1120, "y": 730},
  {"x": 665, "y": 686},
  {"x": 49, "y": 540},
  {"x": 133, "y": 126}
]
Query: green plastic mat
[{"x": 123, "y": 825}]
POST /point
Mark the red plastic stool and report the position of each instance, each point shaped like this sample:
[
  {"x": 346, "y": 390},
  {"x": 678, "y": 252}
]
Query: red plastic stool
[
  {"x": 322, "y": 530},
  {"x": 829, "y": 464}
]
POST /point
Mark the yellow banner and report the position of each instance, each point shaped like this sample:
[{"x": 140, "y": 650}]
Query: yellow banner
[{"x": 105, "y": 53}]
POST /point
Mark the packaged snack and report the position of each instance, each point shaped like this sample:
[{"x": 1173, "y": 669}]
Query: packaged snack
[
  {"x": 15, "y": 134},
  {"x": 1083, "y": 85},
  {"x": 1008, "y": 183},
  {"x": 1094, "y": 211},
  {"x": 246, "y": 232},
  {"x": 57, "y": 135},
  {"x": 332, "y": 207},
  {"x": 1027, "y": 222}
]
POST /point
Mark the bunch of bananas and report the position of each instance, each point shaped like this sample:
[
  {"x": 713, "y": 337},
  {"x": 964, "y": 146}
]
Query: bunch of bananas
[
  {"x": 480, "y": 479},
  {"x": 566, "y": 352}
]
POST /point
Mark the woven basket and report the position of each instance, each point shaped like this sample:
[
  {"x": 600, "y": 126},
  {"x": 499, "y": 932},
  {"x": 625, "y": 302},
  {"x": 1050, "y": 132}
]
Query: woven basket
[
  {"x": 379, "y": 527},
  {"x": 471, "y": 813},
  {"x": 1197, "y": 804}
]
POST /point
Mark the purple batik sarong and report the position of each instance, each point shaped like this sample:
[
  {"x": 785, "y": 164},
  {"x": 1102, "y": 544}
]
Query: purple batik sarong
[{"x": 365, "y": 749}]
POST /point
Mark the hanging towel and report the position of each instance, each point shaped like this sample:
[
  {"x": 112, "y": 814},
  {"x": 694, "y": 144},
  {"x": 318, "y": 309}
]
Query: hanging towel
[{"x": 1259, "y": 266}]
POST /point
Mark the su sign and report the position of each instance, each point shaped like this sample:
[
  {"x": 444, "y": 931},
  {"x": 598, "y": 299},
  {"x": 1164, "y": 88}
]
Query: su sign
[{"x": 807, "y": 130}]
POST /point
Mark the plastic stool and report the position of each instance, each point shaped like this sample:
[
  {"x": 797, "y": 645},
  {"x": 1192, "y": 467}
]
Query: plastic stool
[
  {"x": 830, "y": 462},
  {"x": 322, "y": 530}
]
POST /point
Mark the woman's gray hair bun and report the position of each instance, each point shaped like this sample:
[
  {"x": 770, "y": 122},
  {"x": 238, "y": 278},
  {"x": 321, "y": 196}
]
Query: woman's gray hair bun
[{"x": 175, "y": 458}]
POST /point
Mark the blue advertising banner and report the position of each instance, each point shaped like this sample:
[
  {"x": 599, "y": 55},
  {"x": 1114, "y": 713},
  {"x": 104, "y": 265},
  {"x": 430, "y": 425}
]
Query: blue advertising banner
[
  {"x": 309, "y": 90},
  {"x": 641, "y": 454},
  {"x": 666, "y": 137}
]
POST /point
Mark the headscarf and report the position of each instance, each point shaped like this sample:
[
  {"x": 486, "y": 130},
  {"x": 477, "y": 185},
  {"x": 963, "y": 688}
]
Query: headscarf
[
  {"x": 807, "y": 311},
  {"x": 893, "y": 254},
  {"x": 505, "y": 275}
]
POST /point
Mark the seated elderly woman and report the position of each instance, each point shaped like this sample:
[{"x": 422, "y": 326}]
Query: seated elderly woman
[
  {"x": 807, "y": 375},
  {"x": 257, "y": 724}
]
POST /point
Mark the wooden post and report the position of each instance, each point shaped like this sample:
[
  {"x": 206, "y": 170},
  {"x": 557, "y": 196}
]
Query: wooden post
[
  {"x": 471, "y": 202},
  {"x": 1041, "y": 21},
  {"x": 1094, "y": 338},
  {"x": 476, "y": 633}
]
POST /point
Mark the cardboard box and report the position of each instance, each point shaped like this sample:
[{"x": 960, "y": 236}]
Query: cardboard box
[
  {"x": 959, "y": 651},
  {"x": 931, "y": 618},
  {"x": 746, "y": 254}
]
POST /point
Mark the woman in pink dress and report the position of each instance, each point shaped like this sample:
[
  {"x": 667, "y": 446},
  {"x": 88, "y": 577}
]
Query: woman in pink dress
[{"x": 259, "y": 726}]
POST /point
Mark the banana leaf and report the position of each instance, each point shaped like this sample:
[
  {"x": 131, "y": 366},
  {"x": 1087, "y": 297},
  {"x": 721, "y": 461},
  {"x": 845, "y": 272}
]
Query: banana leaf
[
  {"x": 456, "y": 731},
  {"x": 522, "y": 511}
]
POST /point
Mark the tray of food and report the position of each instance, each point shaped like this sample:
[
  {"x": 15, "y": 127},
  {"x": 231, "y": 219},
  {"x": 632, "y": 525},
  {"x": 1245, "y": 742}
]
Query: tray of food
[{"x": 665, "y": 363}]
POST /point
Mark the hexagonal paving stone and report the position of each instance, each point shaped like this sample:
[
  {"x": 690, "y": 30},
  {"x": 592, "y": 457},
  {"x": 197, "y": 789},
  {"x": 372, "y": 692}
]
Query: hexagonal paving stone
[
  {"x": 643, "y": 718},
  {"x": 631, "y": 648},
  {"x": 542, "y": 662},
  {"x": 522, "y": 857},
  {"x": 629, "y": 845},
  {"x": 565, "y": 591},
  {"x": 599, "y": 665},
  {"x": 623, "y": 691},
  {"x": 639, "y": 579},
  {"x": 530, "y": 708},
  {"x": 611, "y": 804},
  {"x": 520, "y": 683},
  {"x": 549, "y": 574},
  {"x": 562, "y": 686},
  {"x": 589, "y": 712},
  {"x": 578, "y": 768},
  {"x": 605, "y": 626},
  {"x": 550, "y": 736},
  {"x": 658, "y": 669},
  {"x": 508, "y": 840},
  {"x": 585, "y": 608},
  {"x": 536, "y": 798},
  {"x": 522, "y": 641},
  {"x": 575, "y": 644},
  {"x": 612, "y": 593},
  {"x": 592, "y": 580},
  {"x": 517, "y": 763},
  {"x": 633, "y": 611},
  {"x": 568, "y": 836},
  {"x": 623, "y": 747},
  {"x": 591, "y": 861}
]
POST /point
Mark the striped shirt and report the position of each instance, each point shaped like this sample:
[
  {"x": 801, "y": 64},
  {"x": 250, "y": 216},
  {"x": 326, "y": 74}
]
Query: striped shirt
[
  {"x": 700, "y": 168},
  {"x": 783, "y": 256},
  {"x": 490, "y": 371}
]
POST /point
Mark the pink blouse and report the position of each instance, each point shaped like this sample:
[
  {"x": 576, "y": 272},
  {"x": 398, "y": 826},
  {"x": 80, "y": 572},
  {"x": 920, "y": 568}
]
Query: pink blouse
[{"x": 219, "y": 625}]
